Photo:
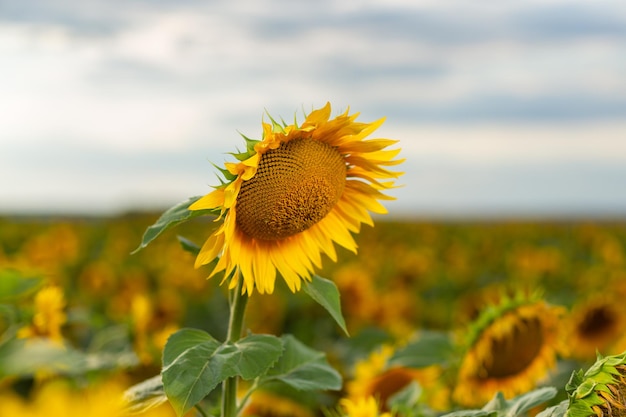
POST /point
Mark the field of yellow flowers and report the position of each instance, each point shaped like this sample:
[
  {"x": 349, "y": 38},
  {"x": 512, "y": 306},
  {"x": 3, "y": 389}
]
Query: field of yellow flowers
[{"x": 441, "y": 315}]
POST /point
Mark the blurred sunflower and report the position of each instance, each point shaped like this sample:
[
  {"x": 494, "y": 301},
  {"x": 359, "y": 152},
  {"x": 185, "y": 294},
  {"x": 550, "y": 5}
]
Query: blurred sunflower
[
  {"x": 293, "y": 194},
  {"x": 595, "y": 324},
  {"x": 600, "y": 391},
  {"x": 509, "y": 348},
  {"x": 362, "y": 407},
  {"x": 49, "y": 315},
  {"x": 374, "y": 378},
  {"x": 62, "y": 398}
]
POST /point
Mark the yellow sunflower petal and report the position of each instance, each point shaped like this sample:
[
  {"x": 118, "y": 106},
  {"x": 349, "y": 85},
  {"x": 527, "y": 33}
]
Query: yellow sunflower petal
[{"x": 210, "y": 201}]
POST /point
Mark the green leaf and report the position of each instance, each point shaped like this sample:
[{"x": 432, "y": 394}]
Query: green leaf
[
  {"x": 430, "y": 348},
  {"x": 194, "y": 363},
  {"x": 14, "y": 285},
  {"x": 520, "y": 405},
  {"x": 25, "y": 357},
  {"x": 188, "y": 245},
  {"x": 471, "y": 413},
  {"x": 252, "y": 356},
  {"x": 144, "y": 396},
  {"x": 558, "y": 410},
  {"x": 173, "y": 216},
  {"x": 326, "y": 294},
  {"x": 303, "y": 368},
  {"x": 187, "y": 372}
]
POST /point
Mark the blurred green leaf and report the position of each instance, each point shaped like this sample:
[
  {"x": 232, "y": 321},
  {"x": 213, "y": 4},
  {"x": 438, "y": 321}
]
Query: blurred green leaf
[
  {"x": 188, "y": 245},
  {"x": 194, "y": 363},
  {"x": 303, "y": 368},
  {"x": 25, "y": 357},
  {"x": 430, "y": 348},
  {"x": 498, "y": 406},
  {"x": 14, "y": 285},
  {"x": 518, "y": 406},
  {"x": 558, "y": 410},
  {"x": 326, "y": 294},
  {"x": 145, "y": 395},
  {"x": 175, "y": 215},
  {"x": 471, "y": 413}
]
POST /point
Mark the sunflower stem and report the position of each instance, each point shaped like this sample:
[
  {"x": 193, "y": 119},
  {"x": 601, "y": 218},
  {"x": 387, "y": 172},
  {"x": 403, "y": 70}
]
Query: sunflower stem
[{"x": 238, "y": 302}]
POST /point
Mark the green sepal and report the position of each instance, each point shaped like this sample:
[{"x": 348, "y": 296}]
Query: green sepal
[
  {"x": 228, "y": 176},
  {"x": 326, "y": 294},
  {"x": 175, "y": 215}
]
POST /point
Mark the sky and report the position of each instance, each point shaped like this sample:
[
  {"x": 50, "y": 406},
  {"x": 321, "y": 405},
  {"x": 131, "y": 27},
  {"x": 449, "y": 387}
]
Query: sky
[{"x": 510, "y": 108}]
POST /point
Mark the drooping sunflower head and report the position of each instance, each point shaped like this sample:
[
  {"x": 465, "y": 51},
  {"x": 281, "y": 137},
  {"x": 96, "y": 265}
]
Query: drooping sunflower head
[
  {"x": 509, "y": 348},
  {"x": 600, "y": 391},
  {"x": 292, "y": 195}
]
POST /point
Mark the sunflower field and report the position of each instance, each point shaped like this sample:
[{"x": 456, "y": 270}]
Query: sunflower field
[{"x": 470, "y": 318}]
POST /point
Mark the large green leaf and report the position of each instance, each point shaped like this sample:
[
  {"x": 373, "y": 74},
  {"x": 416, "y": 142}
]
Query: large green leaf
[
  {"x": 430, "y": 348},
  {"x": 325, "y": 293},
  {"x": 303, "y": 368},
  {"x": 175, "y": 215},
  {"x": 14, "y": 285},
  {"x": 194, "y": 363}
]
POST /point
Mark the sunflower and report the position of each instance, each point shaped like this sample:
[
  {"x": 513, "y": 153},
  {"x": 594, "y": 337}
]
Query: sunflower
[
  {"x": 363, "y": 407},
  {"x": 49, "y": 316},
  {"x": 510, "y": 347},
  {"x": 374, "y": 378},
  {"x": 595, "y": 324},
  {"x": 292, "y": 194},
  {"x": 599, "y": 391}
]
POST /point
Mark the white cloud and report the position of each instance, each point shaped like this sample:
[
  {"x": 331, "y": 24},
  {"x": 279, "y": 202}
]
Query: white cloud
[{"x": 182, "y": 79}]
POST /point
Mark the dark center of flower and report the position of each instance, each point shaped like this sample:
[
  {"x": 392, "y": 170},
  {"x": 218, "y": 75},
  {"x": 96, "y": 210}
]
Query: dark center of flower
[
  {"x": 516, "y": 352},
  {"x": 388, "y": 384},
  {"x": 296, "y": 185},
  {"x": 597, "y": 322}
]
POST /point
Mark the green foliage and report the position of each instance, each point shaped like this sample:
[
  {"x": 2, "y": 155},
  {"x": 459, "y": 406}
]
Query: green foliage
[
  {"x": 145, "y": 395},
  {"x": 14, "y": 286},
  {"x": 430, "y": 348},
  {"x": 188, "y": 245},
  {"x": 175, "y": 215},
  {"x": 302, "y": 368},
  {"x": 26, "y": 357},
  {"x": 515, "y": 407},
  {"x": 558, "y": 410},
  {"x": 194, "y": 363},
  {"x": 326, "y": 294}
]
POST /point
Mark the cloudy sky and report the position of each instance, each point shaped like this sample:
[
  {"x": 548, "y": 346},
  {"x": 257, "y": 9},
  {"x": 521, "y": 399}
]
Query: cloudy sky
[{"x": 501, "y": 108}]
